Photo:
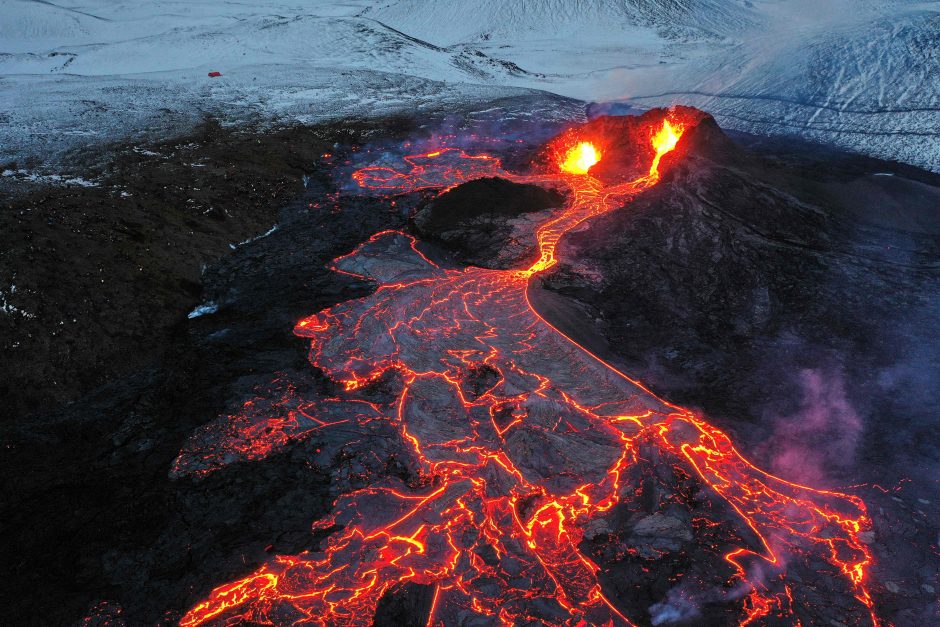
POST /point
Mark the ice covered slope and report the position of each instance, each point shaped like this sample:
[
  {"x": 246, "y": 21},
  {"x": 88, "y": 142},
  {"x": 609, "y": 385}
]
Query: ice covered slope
[
  {"x": 863, "y": 74},
  {"x": 866, "y": 77},
  {"x": 511, "y": 23}
]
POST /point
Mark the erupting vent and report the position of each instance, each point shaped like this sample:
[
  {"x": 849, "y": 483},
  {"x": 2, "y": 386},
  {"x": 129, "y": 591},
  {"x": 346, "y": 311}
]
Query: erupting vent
[
  {"x": 579, "y": 159},
  {"x": 523, "y": 439}
]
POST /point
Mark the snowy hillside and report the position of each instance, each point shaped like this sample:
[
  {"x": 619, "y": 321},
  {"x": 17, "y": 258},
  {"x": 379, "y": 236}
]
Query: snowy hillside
[
  {"x": 577, "y": 23},
  {"x": 861, "y": 74}
]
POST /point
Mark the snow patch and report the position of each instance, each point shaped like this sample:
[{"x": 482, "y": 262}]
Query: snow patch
[
  {"x": 253, "y": 239},
  {"x": 203, "y": 310},
  {"x": 9, "y": 308},
  {"x": 49, "y": 179}
]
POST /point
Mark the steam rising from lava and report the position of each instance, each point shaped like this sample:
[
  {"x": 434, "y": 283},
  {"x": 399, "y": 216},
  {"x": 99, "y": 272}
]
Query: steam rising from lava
[{"x": 521, "y": 436}]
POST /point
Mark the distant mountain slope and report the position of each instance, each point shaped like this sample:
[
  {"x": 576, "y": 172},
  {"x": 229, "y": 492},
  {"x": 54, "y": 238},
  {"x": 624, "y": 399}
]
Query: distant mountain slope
[
  {"x": 866, "y": 80},
  {"x": 449, "y": 22},
  {"x": 861, "y": 74},
  {"x": 34, "y": 24}
]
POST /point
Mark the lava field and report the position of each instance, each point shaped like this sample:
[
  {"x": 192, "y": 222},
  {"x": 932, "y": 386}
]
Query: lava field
[{"x": 630, "y": 371}]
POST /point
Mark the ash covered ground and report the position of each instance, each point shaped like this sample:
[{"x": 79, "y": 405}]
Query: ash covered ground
[{"x": 787, "y": 291}]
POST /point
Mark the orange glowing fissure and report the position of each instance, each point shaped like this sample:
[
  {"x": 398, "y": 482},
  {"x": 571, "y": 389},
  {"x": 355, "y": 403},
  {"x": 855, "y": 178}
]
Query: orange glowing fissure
[{"x": 496, "y": 529}]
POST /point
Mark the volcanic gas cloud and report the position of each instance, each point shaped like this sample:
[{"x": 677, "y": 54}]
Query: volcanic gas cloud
[{"x": 525, "y": 444}]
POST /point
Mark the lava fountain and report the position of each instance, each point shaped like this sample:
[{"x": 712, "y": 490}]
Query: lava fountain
[
  {"x": 664, "y": 141},
  {"x": 521, "y": 439}
]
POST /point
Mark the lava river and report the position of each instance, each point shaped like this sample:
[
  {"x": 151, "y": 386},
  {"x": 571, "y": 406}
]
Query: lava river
[{"x": 522, "y": 438}]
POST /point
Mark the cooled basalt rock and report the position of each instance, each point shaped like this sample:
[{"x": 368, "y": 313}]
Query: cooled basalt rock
[
  {"x": 662, "y": 526},
  {"x": 488, "y": 222}
]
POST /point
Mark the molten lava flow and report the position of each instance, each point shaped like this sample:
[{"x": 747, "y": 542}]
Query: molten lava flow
[
  {"x": 520, "y": 439},
  {"x": 579, "y": 159}
]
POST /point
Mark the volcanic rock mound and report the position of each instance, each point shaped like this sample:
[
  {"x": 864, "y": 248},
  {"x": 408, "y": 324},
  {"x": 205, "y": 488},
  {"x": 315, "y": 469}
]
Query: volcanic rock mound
[{"x": 488, "y": 222}]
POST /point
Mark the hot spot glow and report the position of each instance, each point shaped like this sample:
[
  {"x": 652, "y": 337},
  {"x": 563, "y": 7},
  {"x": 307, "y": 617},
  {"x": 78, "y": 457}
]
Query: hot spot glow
[{"x": 580, "y": 159}]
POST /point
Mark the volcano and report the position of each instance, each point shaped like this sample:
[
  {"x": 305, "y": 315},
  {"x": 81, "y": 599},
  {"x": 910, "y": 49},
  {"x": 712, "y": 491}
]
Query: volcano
[
  {"x": 517, "y": 440},
  {"x": 471, "y": 423}
]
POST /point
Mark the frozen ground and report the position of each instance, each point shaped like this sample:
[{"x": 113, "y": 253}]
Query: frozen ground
[{"x": 862, "y": 74}]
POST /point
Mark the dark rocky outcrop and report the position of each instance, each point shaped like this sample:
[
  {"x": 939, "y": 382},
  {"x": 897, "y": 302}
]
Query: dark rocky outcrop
[
  {"x": 89, "y": 507},
  {"x": 487, "y": 222},
  {"x": 103, "y": 273}
]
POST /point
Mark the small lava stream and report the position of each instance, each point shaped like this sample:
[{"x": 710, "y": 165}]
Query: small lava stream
[{"x": 523, "y": 439}]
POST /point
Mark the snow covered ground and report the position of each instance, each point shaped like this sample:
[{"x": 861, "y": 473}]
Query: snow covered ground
[{"x": 862, "y": 74}]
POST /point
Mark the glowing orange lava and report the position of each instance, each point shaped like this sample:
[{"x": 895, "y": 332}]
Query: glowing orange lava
[
  {"x": 511, "y": 471},
  {"x": 579, "y": 159}
]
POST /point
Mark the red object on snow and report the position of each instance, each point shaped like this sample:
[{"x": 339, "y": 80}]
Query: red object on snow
[{"x": 214, "y": 74}]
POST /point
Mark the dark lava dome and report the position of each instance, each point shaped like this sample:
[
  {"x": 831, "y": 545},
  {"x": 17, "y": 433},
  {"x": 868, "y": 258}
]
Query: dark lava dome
[{"x": 476, "y": 220}]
